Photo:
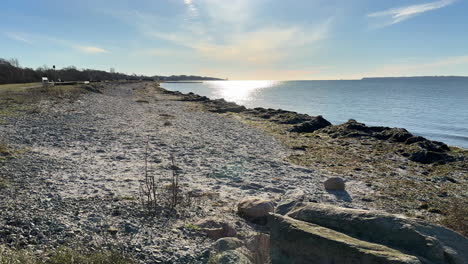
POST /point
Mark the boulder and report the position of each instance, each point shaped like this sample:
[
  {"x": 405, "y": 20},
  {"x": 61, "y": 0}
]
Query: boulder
[
  {"x": 227, "y": 243},
  {"x": 394, "y": 135},
  {"x": 427, "y": 157},
  {"x": 294, "y": 241},
  {"x": 279, "y": 116},
  {"x": 255, "y": 209},
  {"x": 216, "y": 229},
  {"x": 430, "y": 243},
  {"x": 414, "y": 139},
  {"x": 310, "y": 126},
  {"x": 425, "y": 151},
  {"x": 222, "y": 106},
  {"x": 432, "y": 145},
  {"x": 334, "y": 184},
  {"x": 229, "y": 257},
  {"x": 352, "y": 128},
  {"x": 286, "y": 117},
  {"x": 191, "y": 97}
]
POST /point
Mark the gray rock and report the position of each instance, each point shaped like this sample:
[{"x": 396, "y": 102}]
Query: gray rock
[
  {"x": 286, "y": 206},
  {"x": 316, "y": 123},
  {"x": 334, "y": 184},
  {"x": 230, "y": 257},
  {"x": 227, "y": 243},
  {"x": 255, "y": 209},
  {"x": 216, "y": 229},
  {"x": 259, "y": 247},
  {"x": 435, "y": 244},
  {"x": 294, "y": 241}
]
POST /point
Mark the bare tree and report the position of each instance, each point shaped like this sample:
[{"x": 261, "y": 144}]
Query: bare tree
[{"x": 14, "y": 62}]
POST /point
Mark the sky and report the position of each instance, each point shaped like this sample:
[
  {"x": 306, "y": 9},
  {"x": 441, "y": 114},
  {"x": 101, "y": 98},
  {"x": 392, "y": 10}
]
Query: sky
[{"x": 241, "y": 39}]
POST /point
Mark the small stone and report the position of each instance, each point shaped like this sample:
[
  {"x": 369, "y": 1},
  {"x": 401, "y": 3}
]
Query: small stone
[
  {"x": 112, "y": 230},
  {"x": 334, "y": 184},
  {"x": 130, "y": 228},
  {"x": 120, "y": 157},
  {"x": 423, "y": 206},
  {"x": 435, "y": 211}
]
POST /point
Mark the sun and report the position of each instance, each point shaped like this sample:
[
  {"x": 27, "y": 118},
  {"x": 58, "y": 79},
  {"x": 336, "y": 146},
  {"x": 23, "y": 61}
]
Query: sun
[{"x": 239, "y": 91}]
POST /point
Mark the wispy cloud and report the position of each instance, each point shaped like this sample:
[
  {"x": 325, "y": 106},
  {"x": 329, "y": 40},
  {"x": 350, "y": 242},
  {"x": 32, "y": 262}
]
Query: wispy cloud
[
  {"x": 213, "y": 31},
  {"x": 263, "y": 46},
  {"x": 91, "y": 49},
  {"x": 397, "y": 15},
  {"x": 18, "y": 37},
  {"x": 34, "y": 38}
]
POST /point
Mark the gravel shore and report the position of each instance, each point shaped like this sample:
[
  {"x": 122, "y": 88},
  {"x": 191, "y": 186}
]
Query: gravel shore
[{"x": 77, "y": 180}]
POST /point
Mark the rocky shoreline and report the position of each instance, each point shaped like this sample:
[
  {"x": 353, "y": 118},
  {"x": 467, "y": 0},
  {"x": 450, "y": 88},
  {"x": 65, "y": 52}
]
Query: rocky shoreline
[
  {"x": 79, "y": 173},
  {"x": 427, "y": 151}
]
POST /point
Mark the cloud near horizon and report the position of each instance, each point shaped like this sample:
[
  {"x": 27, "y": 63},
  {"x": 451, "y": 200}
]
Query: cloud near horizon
[
  {"x": 91, "y": 49},
  {"x": 400, "y": 14}
]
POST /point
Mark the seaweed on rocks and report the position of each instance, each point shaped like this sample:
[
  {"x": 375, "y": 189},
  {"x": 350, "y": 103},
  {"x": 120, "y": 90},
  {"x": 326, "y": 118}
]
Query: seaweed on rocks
[
  {"x": 316, "y": 123},
  {"x": 280, "y": 116},
  {"x": 423, "y": 150},
  {"x": 222, "y": 106}
]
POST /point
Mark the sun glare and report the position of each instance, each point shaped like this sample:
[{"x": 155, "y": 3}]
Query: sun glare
[{"x": 239, "y": 91}]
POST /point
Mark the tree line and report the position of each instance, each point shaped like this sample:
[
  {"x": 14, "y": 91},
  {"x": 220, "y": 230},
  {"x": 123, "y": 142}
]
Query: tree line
[{"x": 12, "y": 72}]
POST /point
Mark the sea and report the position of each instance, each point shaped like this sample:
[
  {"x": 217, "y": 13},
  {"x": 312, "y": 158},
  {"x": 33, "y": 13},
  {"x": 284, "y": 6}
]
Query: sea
[{"x": 435, "y": 108}]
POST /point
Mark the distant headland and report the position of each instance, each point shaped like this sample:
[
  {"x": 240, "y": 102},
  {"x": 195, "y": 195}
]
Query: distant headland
[{"x": 427, "y": 78}]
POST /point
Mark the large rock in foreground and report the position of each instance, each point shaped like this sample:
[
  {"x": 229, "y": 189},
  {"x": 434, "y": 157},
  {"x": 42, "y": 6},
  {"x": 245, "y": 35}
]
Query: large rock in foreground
[
  {"x": 411, "y": 237},
  {"x": 294, "y": 241}
]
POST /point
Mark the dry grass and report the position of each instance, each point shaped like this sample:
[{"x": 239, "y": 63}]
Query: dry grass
[
  {"x": 23, "y": 98},
  {"x": 16, "y": 86},
  {"x": 62, "y": 256},
  {"x": 4, "y": 150},
  {"x": 456, "y": 216}
]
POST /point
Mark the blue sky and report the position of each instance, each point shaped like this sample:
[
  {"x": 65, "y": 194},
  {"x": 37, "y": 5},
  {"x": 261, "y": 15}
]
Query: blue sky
[{"x": 241, "y": 39}]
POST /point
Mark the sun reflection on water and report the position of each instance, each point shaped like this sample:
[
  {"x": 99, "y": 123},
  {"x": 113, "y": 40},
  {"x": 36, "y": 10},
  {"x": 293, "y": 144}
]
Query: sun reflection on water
[{"x": 239, "y": 91}]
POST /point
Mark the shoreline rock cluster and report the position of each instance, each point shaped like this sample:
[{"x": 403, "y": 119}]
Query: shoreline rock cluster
[{"x": 424, "y": 151}]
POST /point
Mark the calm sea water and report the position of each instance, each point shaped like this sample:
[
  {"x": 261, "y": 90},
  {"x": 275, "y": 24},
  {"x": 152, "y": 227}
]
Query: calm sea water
[{"x": 436, "y": 109}]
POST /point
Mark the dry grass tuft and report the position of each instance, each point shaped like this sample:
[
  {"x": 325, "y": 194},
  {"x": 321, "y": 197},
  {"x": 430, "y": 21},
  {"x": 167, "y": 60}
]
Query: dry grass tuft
[
  {"x": 62, "y": 256},
  {"x": 23, "y": 98},
  {"x": 456, "y": 216}
]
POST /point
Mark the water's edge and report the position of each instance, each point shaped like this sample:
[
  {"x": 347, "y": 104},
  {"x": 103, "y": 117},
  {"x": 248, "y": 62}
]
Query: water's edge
[
  {"x": 453, "y": 139},
  {"x": 417, "y": 134}
]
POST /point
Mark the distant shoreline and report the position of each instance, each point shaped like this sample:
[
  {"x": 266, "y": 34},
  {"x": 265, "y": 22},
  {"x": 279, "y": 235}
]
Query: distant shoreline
[{"x": 445, "y": 78}]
